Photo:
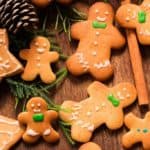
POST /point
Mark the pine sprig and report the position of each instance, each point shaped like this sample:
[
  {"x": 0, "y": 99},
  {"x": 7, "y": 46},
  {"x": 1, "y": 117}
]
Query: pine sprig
[
  {"x": 23, "y": 90},
  {"x": 65, "y": 127},
  {"x": 65, "y": 17}
]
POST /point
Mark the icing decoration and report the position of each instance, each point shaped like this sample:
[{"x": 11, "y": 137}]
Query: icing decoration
[
  {"x": 97, "y": 25},
  {"x": 38, "y": 117},
  {"x": 113, "y": 100},
  {"x": 141, "y": 17}
]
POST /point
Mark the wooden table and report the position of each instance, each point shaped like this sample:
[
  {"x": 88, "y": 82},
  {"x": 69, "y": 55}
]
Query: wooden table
[{"x": 74, "y": 88}]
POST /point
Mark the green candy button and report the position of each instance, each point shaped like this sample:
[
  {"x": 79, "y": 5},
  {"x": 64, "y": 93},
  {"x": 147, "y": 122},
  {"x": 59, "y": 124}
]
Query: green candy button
[
  {"x": 145, "y": 130},
  {"x": 141, "y": 17},
  {"x": 97, "y": 24},
  {"x": 38, "y": 117},
  {"x": 115, "y": 102}
]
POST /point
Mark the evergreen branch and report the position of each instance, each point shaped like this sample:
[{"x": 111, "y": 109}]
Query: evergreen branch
[{"x": 65, "y": 127}]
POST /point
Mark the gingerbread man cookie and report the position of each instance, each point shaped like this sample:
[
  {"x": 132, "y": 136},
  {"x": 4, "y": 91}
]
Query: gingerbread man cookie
[
  {"x": 139, "y": 131},
  {"x": 136, "y": 17},
  {"x": 89, "y": 114},
  {"x": 45, "y": 3},
  {"x": 10, "y": 132},
  {"x": 90, "y": 146},
  {"x": 38, "y": 121},
  {"x": 38, "y": 59},
  {"x": 96, "y": 38},
  {"x": 9, "y": 65}
]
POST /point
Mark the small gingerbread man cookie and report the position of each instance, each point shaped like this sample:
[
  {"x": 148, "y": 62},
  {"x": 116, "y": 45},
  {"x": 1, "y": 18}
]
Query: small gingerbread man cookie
[
  {"x": 136, "y": 17},
  {"x": 96, "y": 38},
  {"x": 139, "y": 131},
  {"x": 38, "y": 121},
  {"x": 9, "y": 65},
  {"x": 89, "y": 114},
  {"x": 38, "y": 59}
]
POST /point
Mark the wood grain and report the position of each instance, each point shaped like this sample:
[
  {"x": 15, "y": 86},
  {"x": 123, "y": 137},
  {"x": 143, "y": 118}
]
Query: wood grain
[{"x": 74, "y": 88}]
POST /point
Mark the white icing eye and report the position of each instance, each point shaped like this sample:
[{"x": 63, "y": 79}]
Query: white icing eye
[
  {"x": 32, "y": 105},
  {"x": 44, "y": 45},
  {"x": 36, "y": 44},
  {"x": 106, "y": 13},
  {"x": 96, "y": 11},
  {"x": 38, "y": 104}
]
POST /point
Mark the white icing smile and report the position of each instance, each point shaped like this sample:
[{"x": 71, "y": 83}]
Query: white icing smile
[
  {"x": 101, "y": 19},
  {"x": 40, "y": 50},
  {"x": 37, "y": 110}
]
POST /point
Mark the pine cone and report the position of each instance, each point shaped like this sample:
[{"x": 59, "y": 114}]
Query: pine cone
[{"x": 17, "y": 14}]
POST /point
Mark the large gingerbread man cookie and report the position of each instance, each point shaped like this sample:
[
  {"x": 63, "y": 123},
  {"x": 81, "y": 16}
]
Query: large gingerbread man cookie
[
  {"x": 38, "y": 121},
  {"x": 136, "y": 17},
  {"x": 9, "y": 65},
  {"x": 104, "y": 106},
  {"x": 96, "y": 37},
  {"x": 139, "y": 131},
  {"x": 38, "y": 59}
]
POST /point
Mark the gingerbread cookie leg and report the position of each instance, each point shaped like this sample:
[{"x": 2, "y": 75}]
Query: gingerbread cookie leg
[
  {"x": 30, "y": 136},
  {"x": 50, "y": 135}
]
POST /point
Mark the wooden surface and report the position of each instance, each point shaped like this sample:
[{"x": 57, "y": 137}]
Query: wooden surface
[{"x": 74, "y": 88}]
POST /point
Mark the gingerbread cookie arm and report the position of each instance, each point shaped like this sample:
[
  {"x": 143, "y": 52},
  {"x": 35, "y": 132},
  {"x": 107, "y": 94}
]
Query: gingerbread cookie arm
[
  {"x": 51, "y": 115},
  {"x": 120, "y": 39},
  {"x": 129, "y": 120},
  {"x": 130, "y": 138},
  {"x": 23, "y": 118},
  {"x": 24, "y": 54},
  {"x": 53, "y": 56},
  {"x": 78, "y": 30}
]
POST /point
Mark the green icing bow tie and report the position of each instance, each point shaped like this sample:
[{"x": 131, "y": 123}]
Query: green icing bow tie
[
  {"x": 97, "y": 25},
  {"x": 38, "y": 117}
]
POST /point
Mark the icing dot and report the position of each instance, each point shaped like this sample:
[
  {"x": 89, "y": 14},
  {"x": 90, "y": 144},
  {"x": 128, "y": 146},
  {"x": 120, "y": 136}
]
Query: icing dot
[
  {"x": 97, "y": 108},
  {"x": 79, "y": 122},
  {"x": 38, "y": 104},
  {"x": 138, "y": 130},
  {"x": 128, "y": 95},
  {"x": 94, "y": 53},
  {"x": 96, "y": 11},
  {"x": 91, "y": 127},
  {"x": 89, "y": 114},
  {"x": 38, "y": 65},
  {"x": 129, "y": 10},
  {"x": 1, "y": 58},
  {"x": 124, "y": 89},
  {"x": 145, "y": 130},
  {"x": 106, "y": 12},
  {"x": 36, "y": 44},
  {"x": 127, "y": 19},
  {"x": 32, "y": 105},
  {"x": 95, "y": 43},
  {"x": 103, "y": 105},
  {"x": 38, "y": 58},
  {"x": 97, "y": 33}
]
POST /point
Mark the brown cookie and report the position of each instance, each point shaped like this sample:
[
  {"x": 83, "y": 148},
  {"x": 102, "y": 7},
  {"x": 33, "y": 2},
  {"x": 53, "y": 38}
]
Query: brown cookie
[
  {"x": 89, "y": 114},
  {"x": 96, "y": 38},
  {"x": 90, "y": 146},
  {"x": 38, "y": 59},
  {"x": 136, "y": 17},
  {"x": 10, "y": 132},
  {"x": 38, "y": 121},
  {"x": 9, "y": 65},
  {"x": 139, "y": 131}
]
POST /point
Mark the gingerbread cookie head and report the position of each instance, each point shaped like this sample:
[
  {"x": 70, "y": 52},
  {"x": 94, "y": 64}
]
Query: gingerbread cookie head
[
  {"x": 139, "y": 131},
  {"x": 101, "y": 12},
  {"x": 90, "y": 146},
  {"x": 37, "y": 105},
  {"x": 40, "y": 44},
  {"x": 91, "y": 113},
  {"x": 38, "y": 121},
  {"x": 136, "y": 17},
  {"x": 41, "y": 3}
]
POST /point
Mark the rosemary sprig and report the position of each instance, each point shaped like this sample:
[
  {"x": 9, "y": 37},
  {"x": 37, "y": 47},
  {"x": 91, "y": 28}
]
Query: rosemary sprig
[
  {"x": 65, "y": 127},
  {"x": 65, "y": 17},
  {"x": 23, "y": 90}
]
